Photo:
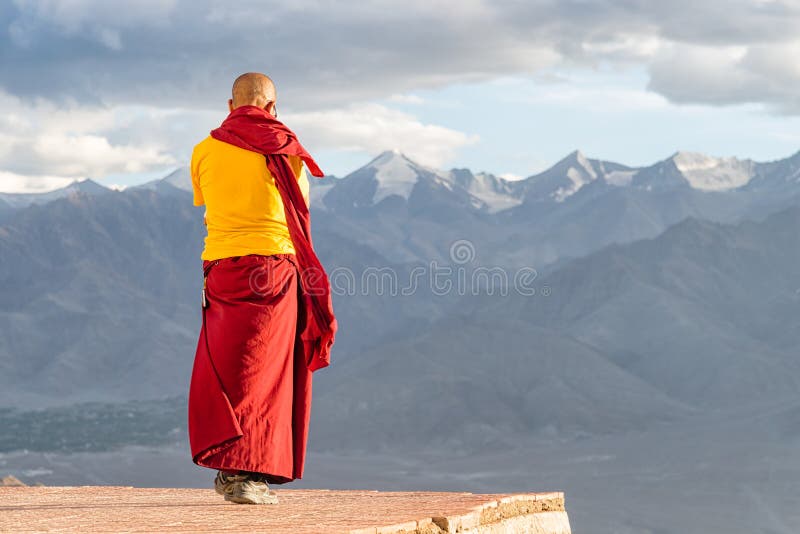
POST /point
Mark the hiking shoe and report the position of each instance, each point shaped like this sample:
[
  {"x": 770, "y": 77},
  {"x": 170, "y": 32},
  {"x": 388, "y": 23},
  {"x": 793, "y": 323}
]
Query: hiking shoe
[
  {"x": 223, "y": 483},
  {"x": 248, "y": 489}
]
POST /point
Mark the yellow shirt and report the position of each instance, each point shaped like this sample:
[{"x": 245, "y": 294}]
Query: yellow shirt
[{"x": 244, "y": 211}]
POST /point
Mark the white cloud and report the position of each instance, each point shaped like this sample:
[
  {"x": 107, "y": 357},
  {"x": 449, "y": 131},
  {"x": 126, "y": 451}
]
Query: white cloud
[
  {"x": 43, "y": 145},
  {"x": 373, "y": 128},
  {"x": 625, "y": 47},
  {"x": 93, "y": 155},
  {"x": 18, "y": 183},
  {"x": 763, "y": 73}
]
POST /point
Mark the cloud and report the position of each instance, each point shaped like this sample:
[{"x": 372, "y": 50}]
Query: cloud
[
  {"x": 91, "y": 87},
  {"x": 188, "y": 52},
  {"x": 373, "y": 128},
  {"x": 18, "y": 183},
  {"x": 322, "y": 54},
  {"x": 43, "y": 145},
  {"x": 766, "y": 74},
  {"x": 94, "y": 155},
  {"x": 49, "y": 144}
]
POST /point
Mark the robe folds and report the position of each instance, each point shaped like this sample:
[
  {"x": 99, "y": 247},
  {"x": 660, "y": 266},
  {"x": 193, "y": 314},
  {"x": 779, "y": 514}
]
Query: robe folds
[
  {"x": 267, "y": 326},
  {"x": 250, "y": 392}
]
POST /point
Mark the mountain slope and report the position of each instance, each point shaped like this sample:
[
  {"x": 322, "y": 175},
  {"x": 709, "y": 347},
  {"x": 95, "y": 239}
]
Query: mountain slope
[
  {"x": 703, "y": 320},
  {"x": 99, "y": 297},
  {"x": 705, "y": 312},
  {"x": 472, "y": 384},
  {"x": 569, "y": 176},
  {"x": 180, "y": 179},
  {"x": 496, "y": 193}
]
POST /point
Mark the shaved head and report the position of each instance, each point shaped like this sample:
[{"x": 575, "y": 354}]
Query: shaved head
[{"x": 253, "y": 89}]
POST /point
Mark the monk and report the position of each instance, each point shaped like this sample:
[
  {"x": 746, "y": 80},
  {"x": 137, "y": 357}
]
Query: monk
[{"x": 268, "y": 321}]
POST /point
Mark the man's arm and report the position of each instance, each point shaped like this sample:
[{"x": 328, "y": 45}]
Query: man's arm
[
  {"x": 304, "y": 185},
  {"x": 194, "y": 170},
  {"x": 302, "y": 178}
]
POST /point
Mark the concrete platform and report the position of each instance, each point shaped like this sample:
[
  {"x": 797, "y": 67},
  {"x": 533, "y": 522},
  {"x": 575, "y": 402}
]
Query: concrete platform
[{"x": 127, "y": 509}]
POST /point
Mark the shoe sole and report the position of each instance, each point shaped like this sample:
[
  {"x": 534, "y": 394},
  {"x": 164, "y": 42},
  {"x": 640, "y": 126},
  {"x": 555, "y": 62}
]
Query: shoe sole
[{"x": 271, "y": 498}]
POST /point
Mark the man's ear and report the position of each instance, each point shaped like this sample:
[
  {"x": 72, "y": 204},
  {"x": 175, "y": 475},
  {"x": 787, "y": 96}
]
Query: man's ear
[
  {"x": 270, "y": 108},
  {"x": 230, "y": 104}
]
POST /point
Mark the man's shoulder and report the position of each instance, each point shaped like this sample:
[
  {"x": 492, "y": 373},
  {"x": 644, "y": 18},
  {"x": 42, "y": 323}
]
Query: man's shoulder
[
  {"x": 210, "y": 146},
  {"x": 205, "y": 144}
]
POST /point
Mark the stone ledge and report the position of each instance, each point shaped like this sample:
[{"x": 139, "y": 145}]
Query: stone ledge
[{"x": 115, "y": 508}]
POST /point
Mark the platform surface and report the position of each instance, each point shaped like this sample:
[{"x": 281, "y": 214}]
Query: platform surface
[{"x": 127, "y": 509}]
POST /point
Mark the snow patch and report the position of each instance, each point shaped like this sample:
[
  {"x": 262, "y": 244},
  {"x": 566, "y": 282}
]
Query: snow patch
[
  {"x": 620, "y": 178},
  {"x": 713, "y": 174},
  {"x": 586, "y": 165},
  {"x": 577, "y": 179},
  {"x": 485, "y": 188},
  {"x": 395, "y": 174}
]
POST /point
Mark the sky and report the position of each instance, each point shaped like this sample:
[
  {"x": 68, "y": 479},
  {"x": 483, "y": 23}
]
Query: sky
[{"x": 121, "y": 91}]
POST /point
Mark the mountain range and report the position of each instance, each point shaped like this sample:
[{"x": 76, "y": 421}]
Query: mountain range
[
  {"x": 392, "y": 174},
  {"x": 111, "y": 276},
  {"x": 411, "y": 213}
]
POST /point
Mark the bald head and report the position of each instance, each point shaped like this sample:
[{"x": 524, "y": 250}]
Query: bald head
[{"x": 253, "y": 89}]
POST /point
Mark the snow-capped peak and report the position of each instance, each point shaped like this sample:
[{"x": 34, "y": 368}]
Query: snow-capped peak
[
  {"x": 580, "y": 160},
  {"x": 564, "y": 178},
  {"x": 386, "y": 157},
  {"x": 692, "y": 161},
  {"x": 396, "y": 174},
  {"x": 395, "y": 159},
  {"x": 713, "y": 174},
  {"x": 580, "y": 172}
]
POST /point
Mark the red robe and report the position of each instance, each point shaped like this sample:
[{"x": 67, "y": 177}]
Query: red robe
[{"x": 250, "y": 392}]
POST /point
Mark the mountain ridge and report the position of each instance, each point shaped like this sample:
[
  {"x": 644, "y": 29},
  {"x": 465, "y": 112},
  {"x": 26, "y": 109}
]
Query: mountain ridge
[
  {"x": 392, "y": 173},
  {"x": 84, "y": 186}
]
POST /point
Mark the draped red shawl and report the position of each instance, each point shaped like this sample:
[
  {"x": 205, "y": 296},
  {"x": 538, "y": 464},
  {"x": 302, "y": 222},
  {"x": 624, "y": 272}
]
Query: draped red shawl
[{"x": 252, "y": 128}]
